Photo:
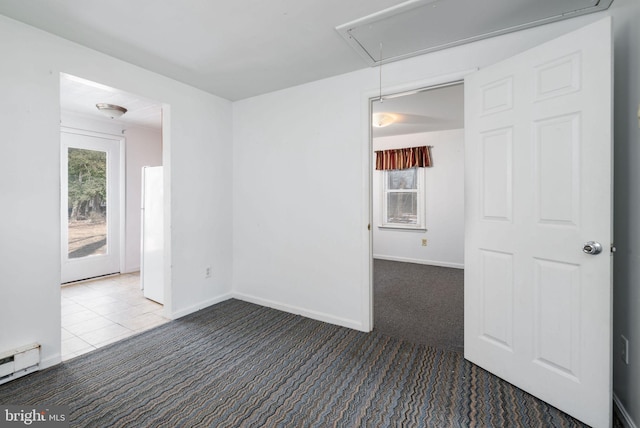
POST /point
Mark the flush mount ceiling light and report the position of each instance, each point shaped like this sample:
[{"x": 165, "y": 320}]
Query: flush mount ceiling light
[
  {"x": 111, "y": 110},
  {"x": 380, "y": 120}
]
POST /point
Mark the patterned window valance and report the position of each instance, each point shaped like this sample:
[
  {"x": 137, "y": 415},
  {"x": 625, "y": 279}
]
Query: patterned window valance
[{"x": 410, "y": 157}]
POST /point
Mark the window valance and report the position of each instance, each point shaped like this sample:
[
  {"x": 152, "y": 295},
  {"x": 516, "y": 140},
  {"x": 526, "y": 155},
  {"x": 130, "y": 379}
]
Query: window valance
[{"x": 410, "y": 157}]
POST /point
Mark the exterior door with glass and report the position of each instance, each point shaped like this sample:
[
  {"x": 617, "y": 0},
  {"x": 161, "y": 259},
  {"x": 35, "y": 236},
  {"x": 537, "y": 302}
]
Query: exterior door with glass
[{"x": 90, "y": 204}]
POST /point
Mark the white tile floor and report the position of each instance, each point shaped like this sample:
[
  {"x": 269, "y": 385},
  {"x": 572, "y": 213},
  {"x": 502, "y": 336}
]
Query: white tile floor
[{"x": 102, "y": 311}]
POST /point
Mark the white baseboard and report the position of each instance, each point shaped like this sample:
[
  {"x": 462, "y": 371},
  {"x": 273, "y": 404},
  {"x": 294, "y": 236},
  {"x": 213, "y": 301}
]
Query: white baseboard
[
  {"x": 420, "y": 261},
  {"x": 50, "y": 362},
  {"x": 319, "y": 316},
  {"x": 195, "y": 308},
  {"x": 625, "y": 417},
  {"x": 130, "y": 269}
]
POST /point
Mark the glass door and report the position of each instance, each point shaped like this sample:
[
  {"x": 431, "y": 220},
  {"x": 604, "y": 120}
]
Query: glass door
[{"x": 90, "y": 205}]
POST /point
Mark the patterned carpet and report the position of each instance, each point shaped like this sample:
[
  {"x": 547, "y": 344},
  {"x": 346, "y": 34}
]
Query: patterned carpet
[{"x": 240, "y": 365}]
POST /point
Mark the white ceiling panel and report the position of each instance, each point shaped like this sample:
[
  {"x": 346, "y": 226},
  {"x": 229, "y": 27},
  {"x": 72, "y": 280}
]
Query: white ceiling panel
[{"x": 419, "y": 26}]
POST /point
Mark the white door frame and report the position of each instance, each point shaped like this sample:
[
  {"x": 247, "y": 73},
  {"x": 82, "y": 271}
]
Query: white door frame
[
  {"x": 367, "y": 148},
  {"x": 121, "y": 186}
]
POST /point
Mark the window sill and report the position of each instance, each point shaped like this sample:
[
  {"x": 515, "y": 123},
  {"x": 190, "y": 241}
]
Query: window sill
[{"x": 400, "y": 227}]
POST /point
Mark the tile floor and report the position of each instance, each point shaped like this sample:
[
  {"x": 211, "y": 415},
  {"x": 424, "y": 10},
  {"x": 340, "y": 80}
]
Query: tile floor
[{"x": 102, "y": 311}]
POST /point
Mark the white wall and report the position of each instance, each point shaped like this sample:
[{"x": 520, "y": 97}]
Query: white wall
[
  {"x": 300, "y": 176},
  {"x": 444, "y": 203},
  {"x": 298, "y": 200},
  {"x": 197, "y": 165},
  {"x": 143, "y": 147}
]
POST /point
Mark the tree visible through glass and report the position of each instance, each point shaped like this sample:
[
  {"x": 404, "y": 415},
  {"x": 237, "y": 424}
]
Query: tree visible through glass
[{"x": 87, "y": 202}]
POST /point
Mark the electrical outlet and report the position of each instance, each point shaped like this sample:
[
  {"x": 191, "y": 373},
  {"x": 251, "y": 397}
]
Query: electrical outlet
[
  {"x": 207, "y": 272},
  {"x": 424, "y": 242},
  {"x": 624, "y": 349}
]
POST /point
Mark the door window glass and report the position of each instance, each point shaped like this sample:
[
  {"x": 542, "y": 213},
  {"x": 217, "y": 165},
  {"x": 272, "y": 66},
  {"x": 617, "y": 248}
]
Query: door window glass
[{"x": 87, "y": 208}]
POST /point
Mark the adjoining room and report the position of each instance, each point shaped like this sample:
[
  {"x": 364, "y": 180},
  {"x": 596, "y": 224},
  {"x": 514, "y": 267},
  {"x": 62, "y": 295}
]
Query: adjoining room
[
  {"x": 111, "y": 143},
  {"x": 418, "y": 216}
]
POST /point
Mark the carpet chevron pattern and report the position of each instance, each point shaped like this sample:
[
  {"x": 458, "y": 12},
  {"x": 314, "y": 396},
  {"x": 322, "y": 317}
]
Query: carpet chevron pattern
[{"x": 237, "y": 364}]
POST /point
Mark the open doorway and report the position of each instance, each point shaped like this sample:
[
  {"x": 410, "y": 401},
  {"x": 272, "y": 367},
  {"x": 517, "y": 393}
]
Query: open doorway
[
  {"x": 102, "y": 158},
  {"x": 418, "y": 218}
]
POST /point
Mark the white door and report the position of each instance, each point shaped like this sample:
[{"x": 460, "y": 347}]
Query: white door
[
  {"x": 538, "y": 187},
  {"x": 90, "y": 205}
]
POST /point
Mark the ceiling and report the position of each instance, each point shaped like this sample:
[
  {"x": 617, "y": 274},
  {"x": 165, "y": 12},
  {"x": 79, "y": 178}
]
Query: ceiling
[
  {"x": 242, "y": 48},
  {"x": 233, "y": 49},
  {"x": 80, "y": 96},
  {"x": 431, "y": 110}
]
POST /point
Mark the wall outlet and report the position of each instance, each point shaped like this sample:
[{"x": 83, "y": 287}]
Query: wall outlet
[
  {"x": 624, "y": 349},
  {"x": 207, "y": 272},
  {"x": 424, "y": 242}
]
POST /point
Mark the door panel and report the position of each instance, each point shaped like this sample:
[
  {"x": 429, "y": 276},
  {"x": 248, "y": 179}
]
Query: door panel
[
  {"x": 90, "y": 205},
  {"x": 496, "y": 288},
  {"x": 497, "y": 170},
  {"x": 538, "y": 186},
  {"x": 557, "y": 159}
]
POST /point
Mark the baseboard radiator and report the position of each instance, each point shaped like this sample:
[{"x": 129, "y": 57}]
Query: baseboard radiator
[{"x": 19, "y": 362}]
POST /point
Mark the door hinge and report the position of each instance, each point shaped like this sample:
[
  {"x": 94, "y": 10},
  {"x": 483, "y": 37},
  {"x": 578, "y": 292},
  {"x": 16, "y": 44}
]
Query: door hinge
[
  {"x": 369, "y": 226},
  {"x": 613, "y": 248}
]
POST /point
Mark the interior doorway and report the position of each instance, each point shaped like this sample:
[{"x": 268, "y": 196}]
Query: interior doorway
[
  {"x": 103, "y": 156},
  {"x": 418, "y": 218}
]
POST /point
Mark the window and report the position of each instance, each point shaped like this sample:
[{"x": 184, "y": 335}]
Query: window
[{"x": 403, "y": 199}]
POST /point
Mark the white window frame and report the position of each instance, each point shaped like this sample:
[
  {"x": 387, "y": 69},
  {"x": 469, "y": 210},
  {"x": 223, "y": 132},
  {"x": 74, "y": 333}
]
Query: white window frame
[{"x": 420, "y": 193}]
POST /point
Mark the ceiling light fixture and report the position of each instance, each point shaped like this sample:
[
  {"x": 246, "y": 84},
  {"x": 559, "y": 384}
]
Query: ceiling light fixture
[
  {"x": 111, "y": 110},
  {"x": 380, "y": 120}
]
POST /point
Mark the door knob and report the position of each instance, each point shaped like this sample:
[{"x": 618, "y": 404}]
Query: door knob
[{"x": 592, "y": 248}]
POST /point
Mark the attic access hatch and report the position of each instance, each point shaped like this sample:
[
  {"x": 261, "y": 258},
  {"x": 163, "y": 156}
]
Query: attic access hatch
[{"x": 416, "y": 27}]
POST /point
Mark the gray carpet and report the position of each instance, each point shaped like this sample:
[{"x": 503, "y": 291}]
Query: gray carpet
[
  {"x": 419, "y": 303},
  {"x": 241, "y": 365}
]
